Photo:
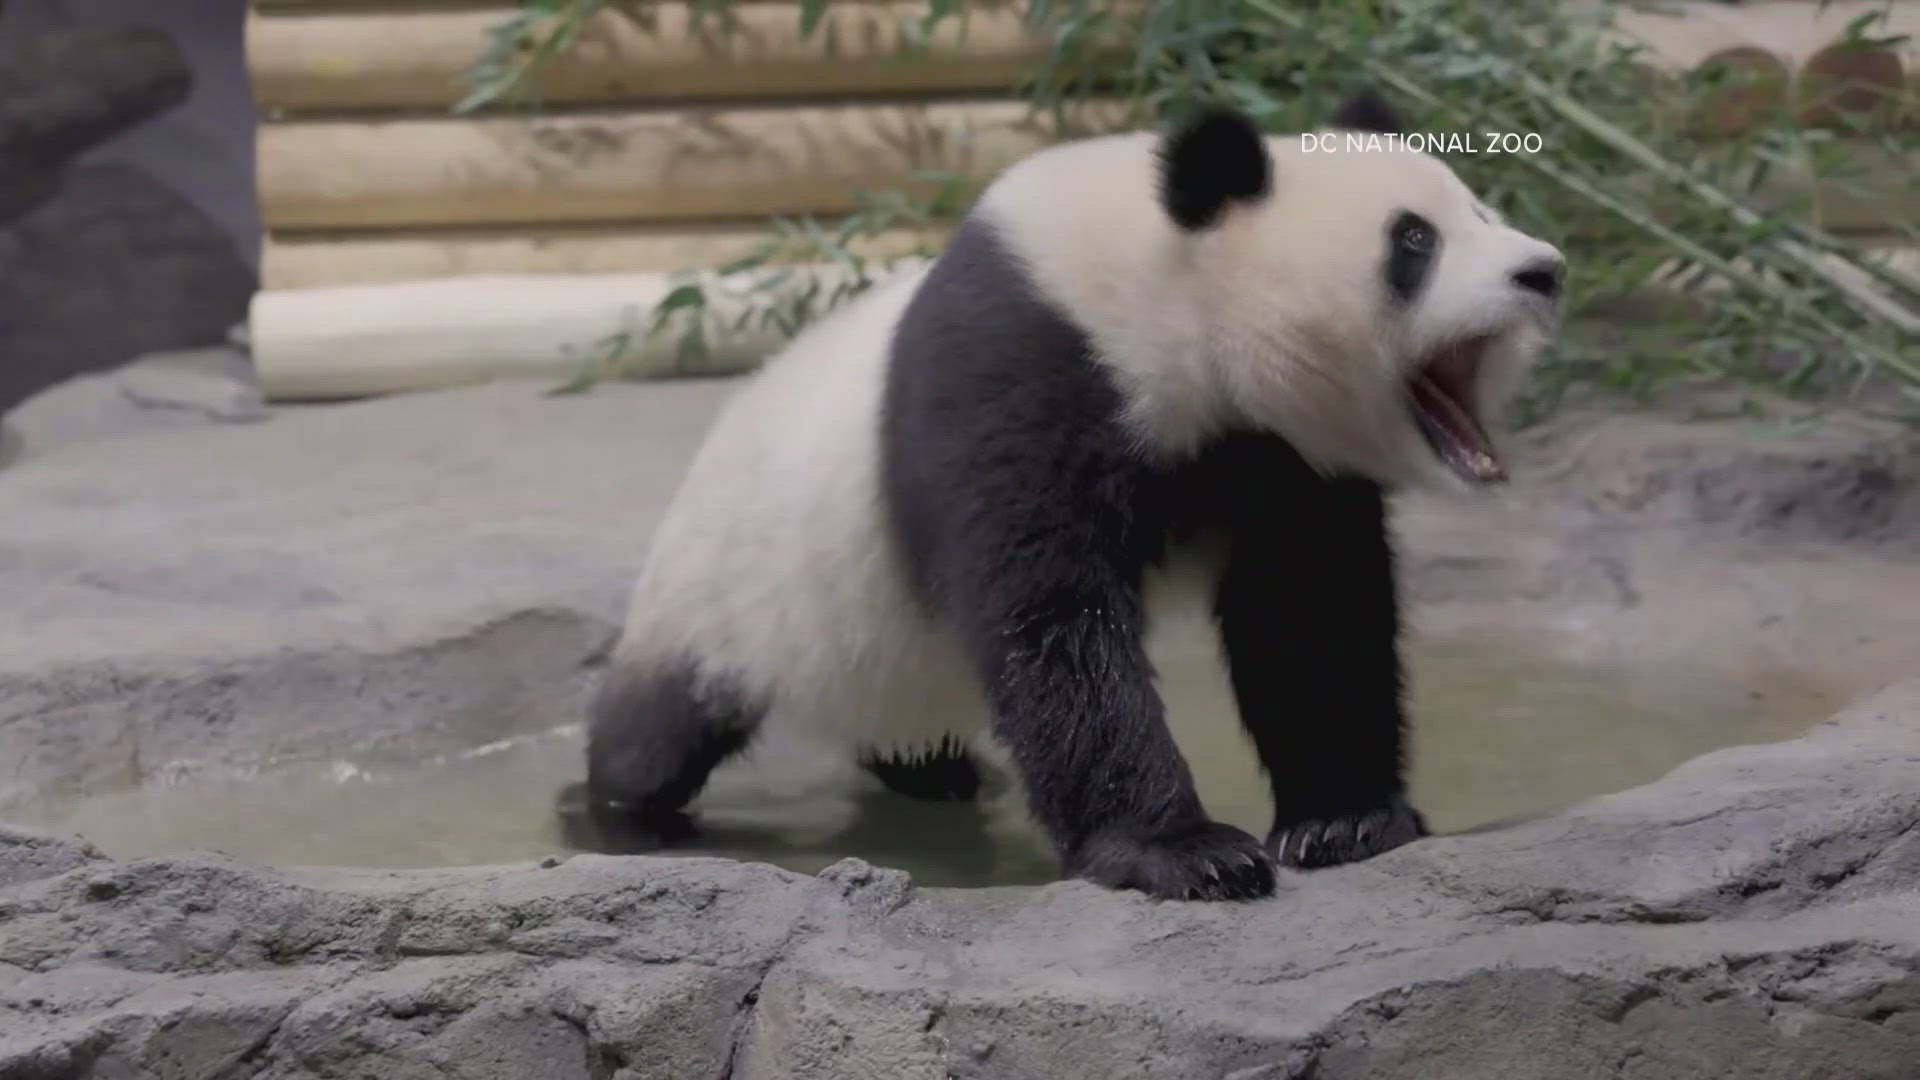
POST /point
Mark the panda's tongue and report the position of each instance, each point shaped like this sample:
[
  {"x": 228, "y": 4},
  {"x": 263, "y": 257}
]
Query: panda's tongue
[{"x": 1458, "y": 438}]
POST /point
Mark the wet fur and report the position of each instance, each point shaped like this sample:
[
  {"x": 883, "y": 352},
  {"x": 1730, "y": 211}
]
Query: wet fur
[
  {"x": 937, "y": 513},
  {"x": 1029, "y": 520}
]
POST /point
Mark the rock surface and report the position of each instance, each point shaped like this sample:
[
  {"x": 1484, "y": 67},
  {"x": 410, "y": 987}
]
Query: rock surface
[
  {"x": 160, "y": 391},
  {"x": 1753, "y": 915},
  {"x": 208, "y": 594},
  {"x": 66, "y": 89},
  {"x": 111, "y": 266},
  {"x": 392, "y": 569},
  {"x": 98, "y": 263},
  {"x": 434, "y": 566}
]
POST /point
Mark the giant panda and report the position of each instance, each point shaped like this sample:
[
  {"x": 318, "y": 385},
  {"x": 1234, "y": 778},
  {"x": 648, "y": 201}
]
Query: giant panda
[{"x": 934, "y": 516}]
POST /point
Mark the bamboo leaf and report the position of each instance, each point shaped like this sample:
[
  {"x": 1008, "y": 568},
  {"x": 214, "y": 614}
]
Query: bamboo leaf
[{"x": 811, "y": 12}]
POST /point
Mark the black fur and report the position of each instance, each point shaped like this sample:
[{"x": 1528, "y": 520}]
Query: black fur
[
  {"x": 654, "y": 738},
  {"x": 1366, "y": 110},
  {"x": 1214, "y": 159},
  {"x": 1541, "y": 276},
  {"x": 944, "y": 773},
  {"x": 1408, "y": 266},
  {"x": 1027, "y": 517},
  {"x": 1310, "y": 623}
]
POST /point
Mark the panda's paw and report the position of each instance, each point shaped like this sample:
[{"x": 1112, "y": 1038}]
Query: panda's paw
[
  {"x": 947, "y": 772},
  {"x": 1203, "y": 860},
  {"x": 1345, "y": 838},
  {"x": 610, "y": 826}
]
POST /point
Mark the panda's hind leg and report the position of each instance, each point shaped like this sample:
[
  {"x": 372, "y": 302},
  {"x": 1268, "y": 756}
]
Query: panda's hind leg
[
  {"x": 944, "y": 772},
  {"x": 656, "y": 734}
]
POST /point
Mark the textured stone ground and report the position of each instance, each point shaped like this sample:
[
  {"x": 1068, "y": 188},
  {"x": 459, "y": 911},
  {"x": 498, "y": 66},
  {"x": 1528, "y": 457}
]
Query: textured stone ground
[
  {"x": 201, "y": 588},
  {"x": 1756, "y": 915},
  {"x": 99, "y": 262}
]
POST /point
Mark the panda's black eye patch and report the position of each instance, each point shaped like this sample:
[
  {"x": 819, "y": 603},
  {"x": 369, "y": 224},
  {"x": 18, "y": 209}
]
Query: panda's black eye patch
[{"x": 1411, "y": 243}]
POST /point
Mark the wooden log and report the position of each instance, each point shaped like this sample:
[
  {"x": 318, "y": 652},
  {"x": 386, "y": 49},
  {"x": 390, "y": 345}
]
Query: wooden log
[
  {"x": 1754, "y": 87},
  {"x": 416, "y": 58},
  {"x": 300, "y": 262},
  {"x": 1897, "y": 253},
  {"x": 326, "y": 5},
  {"x": 359, "y": 341},
  {"x": 1872, "y": 194},
  {"x": 1852, "y": 186},
  {"x": 682, "y": 167},
  {"x": 363, "y": 55},
  {"x": 1674, "y": 279},
  {"x": 1841, "y": 86},
  {"x": 1862, "y": 188},
  {"x": 1800, "y": 34},
  {"x": 655, "y": 166},
  {"x": 1682, "y": 36}
]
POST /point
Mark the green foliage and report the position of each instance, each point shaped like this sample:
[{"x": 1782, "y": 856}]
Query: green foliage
[
  {"x": 768, "y": 289},
  {"x": 1624, "y": 177},
  {"x": 507, "y": 71}
]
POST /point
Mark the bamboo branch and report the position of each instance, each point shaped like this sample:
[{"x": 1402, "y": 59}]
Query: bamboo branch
[
  {"x": 1584, "y": 187},
  {"x": 1822, "y": 264}
]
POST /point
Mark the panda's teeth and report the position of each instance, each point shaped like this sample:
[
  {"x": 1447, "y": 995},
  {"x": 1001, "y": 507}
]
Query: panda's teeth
[{"x": 1454, "y": 432}]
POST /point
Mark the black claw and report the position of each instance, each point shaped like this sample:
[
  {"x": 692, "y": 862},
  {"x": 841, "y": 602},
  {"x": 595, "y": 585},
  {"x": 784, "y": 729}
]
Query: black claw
[
  {"x": 1346, "y": 838},
  {"x": 1187, "y": 862}
]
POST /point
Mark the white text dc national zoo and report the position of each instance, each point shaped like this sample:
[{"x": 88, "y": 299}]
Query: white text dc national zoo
[{"x": 1442, "y": 142}]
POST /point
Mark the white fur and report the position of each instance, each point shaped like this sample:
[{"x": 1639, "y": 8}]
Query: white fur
[
  {"x": 1277, "y": 317},
  {"x": 773, "y": 566}
]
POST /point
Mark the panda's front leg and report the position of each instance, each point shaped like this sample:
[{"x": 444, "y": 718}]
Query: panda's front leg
[
  {"x": 1310, "y": 625},
  {"x": 1073, "y": 700}
]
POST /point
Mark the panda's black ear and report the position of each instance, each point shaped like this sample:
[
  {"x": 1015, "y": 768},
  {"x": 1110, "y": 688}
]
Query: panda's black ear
[
  {"x": 1216, "y": 157},
  {"x": 1365, "y": 110}
]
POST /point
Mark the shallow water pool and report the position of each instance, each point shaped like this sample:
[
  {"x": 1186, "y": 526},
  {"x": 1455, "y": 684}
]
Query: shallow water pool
[{"x": 1504, "y": 726}]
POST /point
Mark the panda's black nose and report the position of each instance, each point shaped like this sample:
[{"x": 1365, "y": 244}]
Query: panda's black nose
[{"x": 1541, "y": 276}]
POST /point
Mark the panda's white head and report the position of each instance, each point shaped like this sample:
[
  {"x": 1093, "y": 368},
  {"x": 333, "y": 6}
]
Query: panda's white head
[{"x": 1357, "y": 298}]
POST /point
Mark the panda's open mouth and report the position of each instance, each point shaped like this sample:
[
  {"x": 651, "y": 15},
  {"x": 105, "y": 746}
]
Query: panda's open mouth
[{"x": 1442, "y": 398}]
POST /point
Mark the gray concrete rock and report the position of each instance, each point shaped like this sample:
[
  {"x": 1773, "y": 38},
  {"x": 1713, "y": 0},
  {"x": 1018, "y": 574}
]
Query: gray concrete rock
[
  {"x": 194, "y": 594},
  {"x": 29, "y": 856},
  {"x": 363, "y": 526},
  {"x": 111, "y": 266},
  {"x": 217, "y": 383},
  {"x": 1754, "y": 915},
  {"x": 66, "y": 89},
  {"x": 432, "y": 570},
  {"x": 384, "y": 574},
  {"x": 100, "y": 263},
  {"x": 168, "y": 390},
  {"x": 1844, "y": 479}
]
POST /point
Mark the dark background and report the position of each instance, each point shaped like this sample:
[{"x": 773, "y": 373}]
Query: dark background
[{"x": 128, "y": 223}]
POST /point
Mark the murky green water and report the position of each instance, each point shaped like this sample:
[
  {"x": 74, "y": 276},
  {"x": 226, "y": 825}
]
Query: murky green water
[{"x": 1502, "y": 729}]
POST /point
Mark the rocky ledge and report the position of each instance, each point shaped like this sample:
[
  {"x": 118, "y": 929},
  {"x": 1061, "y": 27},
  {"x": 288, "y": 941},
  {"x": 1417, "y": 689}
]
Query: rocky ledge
[
  {"x": 198, "y": 594},
  {"x": 1755, "y": 914}
]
